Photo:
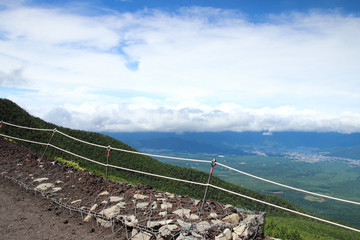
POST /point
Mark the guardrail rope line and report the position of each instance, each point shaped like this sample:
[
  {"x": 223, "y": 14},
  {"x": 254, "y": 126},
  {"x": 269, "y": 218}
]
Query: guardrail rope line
[
  {"x": 24, "y": 140},
  {"x": 29, "y": 128},
  {"x": 289, "y": 187},
  {"x": 207, "y": 185},
  {"x": 161, "y": 156},
  {"x": 285, "y": 209},
  {"x": 82, "y": 141}
]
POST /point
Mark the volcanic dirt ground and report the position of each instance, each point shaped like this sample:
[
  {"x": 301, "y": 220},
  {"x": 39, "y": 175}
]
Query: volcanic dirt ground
[{"x": 24, "y": 215}]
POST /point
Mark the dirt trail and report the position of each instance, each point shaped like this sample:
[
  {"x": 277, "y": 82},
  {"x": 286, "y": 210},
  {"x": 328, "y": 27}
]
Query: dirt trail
[{"x": 26, "y": 216}]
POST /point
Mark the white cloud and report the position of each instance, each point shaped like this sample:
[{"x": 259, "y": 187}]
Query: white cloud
[
  {"x": 12, "y": 79},
  {"x": 224, "y": 117},
  {"x": 201, "y": 69}
]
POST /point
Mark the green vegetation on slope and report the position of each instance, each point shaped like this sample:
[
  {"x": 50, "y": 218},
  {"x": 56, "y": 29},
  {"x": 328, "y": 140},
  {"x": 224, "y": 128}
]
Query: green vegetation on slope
[
  {"x": 12, "y": 113},
  {"x": 332, "y": 178}
]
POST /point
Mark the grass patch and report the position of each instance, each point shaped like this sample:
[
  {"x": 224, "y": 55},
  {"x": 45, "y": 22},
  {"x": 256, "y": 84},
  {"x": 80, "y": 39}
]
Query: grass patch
[
  {"x": 304, "y": 229},
  {"x": 9, "y": 139},
  {"x": 314, "y": 199},
  {"x": 70, "y": 163}
]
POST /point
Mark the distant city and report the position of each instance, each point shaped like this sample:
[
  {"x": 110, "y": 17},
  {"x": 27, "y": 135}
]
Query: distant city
[{"x": 313, "y": 158}]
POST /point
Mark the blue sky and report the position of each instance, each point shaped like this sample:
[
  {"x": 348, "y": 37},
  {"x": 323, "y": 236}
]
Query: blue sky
[{"x": 184, "y": 65}]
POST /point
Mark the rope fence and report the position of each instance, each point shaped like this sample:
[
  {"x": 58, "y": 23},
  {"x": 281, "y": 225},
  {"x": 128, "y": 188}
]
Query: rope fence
[
  {"x": 286, "y": 186},
  {"x": 207, "y": 185}
]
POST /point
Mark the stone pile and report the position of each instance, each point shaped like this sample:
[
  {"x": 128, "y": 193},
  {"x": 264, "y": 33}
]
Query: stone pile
[{"x": 139, "y": 211}]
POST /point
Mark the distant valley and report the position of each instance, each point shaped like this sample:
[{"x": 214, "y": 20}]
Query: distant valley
[
  {"x": 327, "y": 163},
  {"x": 337, "y": 144}
]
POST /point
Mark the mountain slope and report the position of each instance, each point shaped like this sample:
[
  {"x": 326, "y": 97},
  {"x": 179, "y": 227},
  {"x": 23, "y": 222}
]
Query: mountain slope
[{"x": 10, "y": 112}]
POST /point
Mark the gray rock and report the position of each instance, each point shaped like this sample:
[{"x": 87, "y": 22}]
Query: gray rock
[
  {"x": 41, "y": 179},
  {"x": 135, "y": 235},
  {"x": 226, "y": 235},
  {"x": 166, "y": 205},
  {"x": 121, "y": 205},
  {"x": 235, "y": 236},
  {"x": 166, "y": 230},
  {"x": 233, "y": 219},
  {"x": 76, "y": 201},
  {"x": 56, "y": 189},
  {"x": 162, "y": 214},
  {"x": 104, "y": 223},
  {"x": 158, "y": 195},
  {"x": 170, "y": 195},
  {"x": 183, "y": 224},
  {"x": 93, "y": 207},
  {"x": 139, "y": 196},
  {"x": 142, "y": 205},
  {"x": 129, "y": 220},
  {"x": 239, "y": 229},
  {"x": 202, "y": 226},
  {"x": 44, "y": 186},
  {"x": 105, "y": 193},
  {"x": 152, "y": 224},
  {"x": 116, "y": 199},
  {"x": 110, "y": 212},
  {"x": 183, "y": 212},
  {"x": 216, "y": 221},
  {"x": 184, "y": 237},
  {"x": 88, "y": 218}
]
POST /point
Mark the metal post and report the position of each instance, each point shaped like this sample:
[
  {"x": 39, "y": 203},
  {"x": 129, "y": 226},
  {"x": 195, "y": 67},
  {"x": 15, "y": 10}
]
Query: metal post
[
  {"x": 52, "y": 135},
  {"x": 213, "y": 163},
  {"x": 107, "y": 161}
]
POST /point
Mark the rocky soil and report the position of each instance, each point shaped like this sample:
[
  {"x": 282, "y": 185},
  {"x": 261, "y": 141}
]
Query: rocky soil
[{"x": 49, "y": 200}]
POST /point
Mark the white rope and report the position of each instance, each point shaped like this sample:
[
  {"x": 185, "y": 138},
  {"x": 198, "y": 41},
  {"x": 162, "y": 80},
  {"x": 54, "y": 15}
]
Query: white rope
[
  {"x": 24, "y": 140},
  {"x": 193, "y": 160},
  {"x": 285, "y": 209},
  {"x": 126, "y": 169},
  {"x": 76, "y": 155},
  {"x": 186, "y": 181},
  {"x": 82, "y": 141},
  {"x": 116, "y": 149},
  {"x": 133, "y": 152},
  {"x": 161, "y": 156},
  {"x": 29, "y": 128},
  {"x": 156, "y": 175},
  {"x": 289, "y": 187}
]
